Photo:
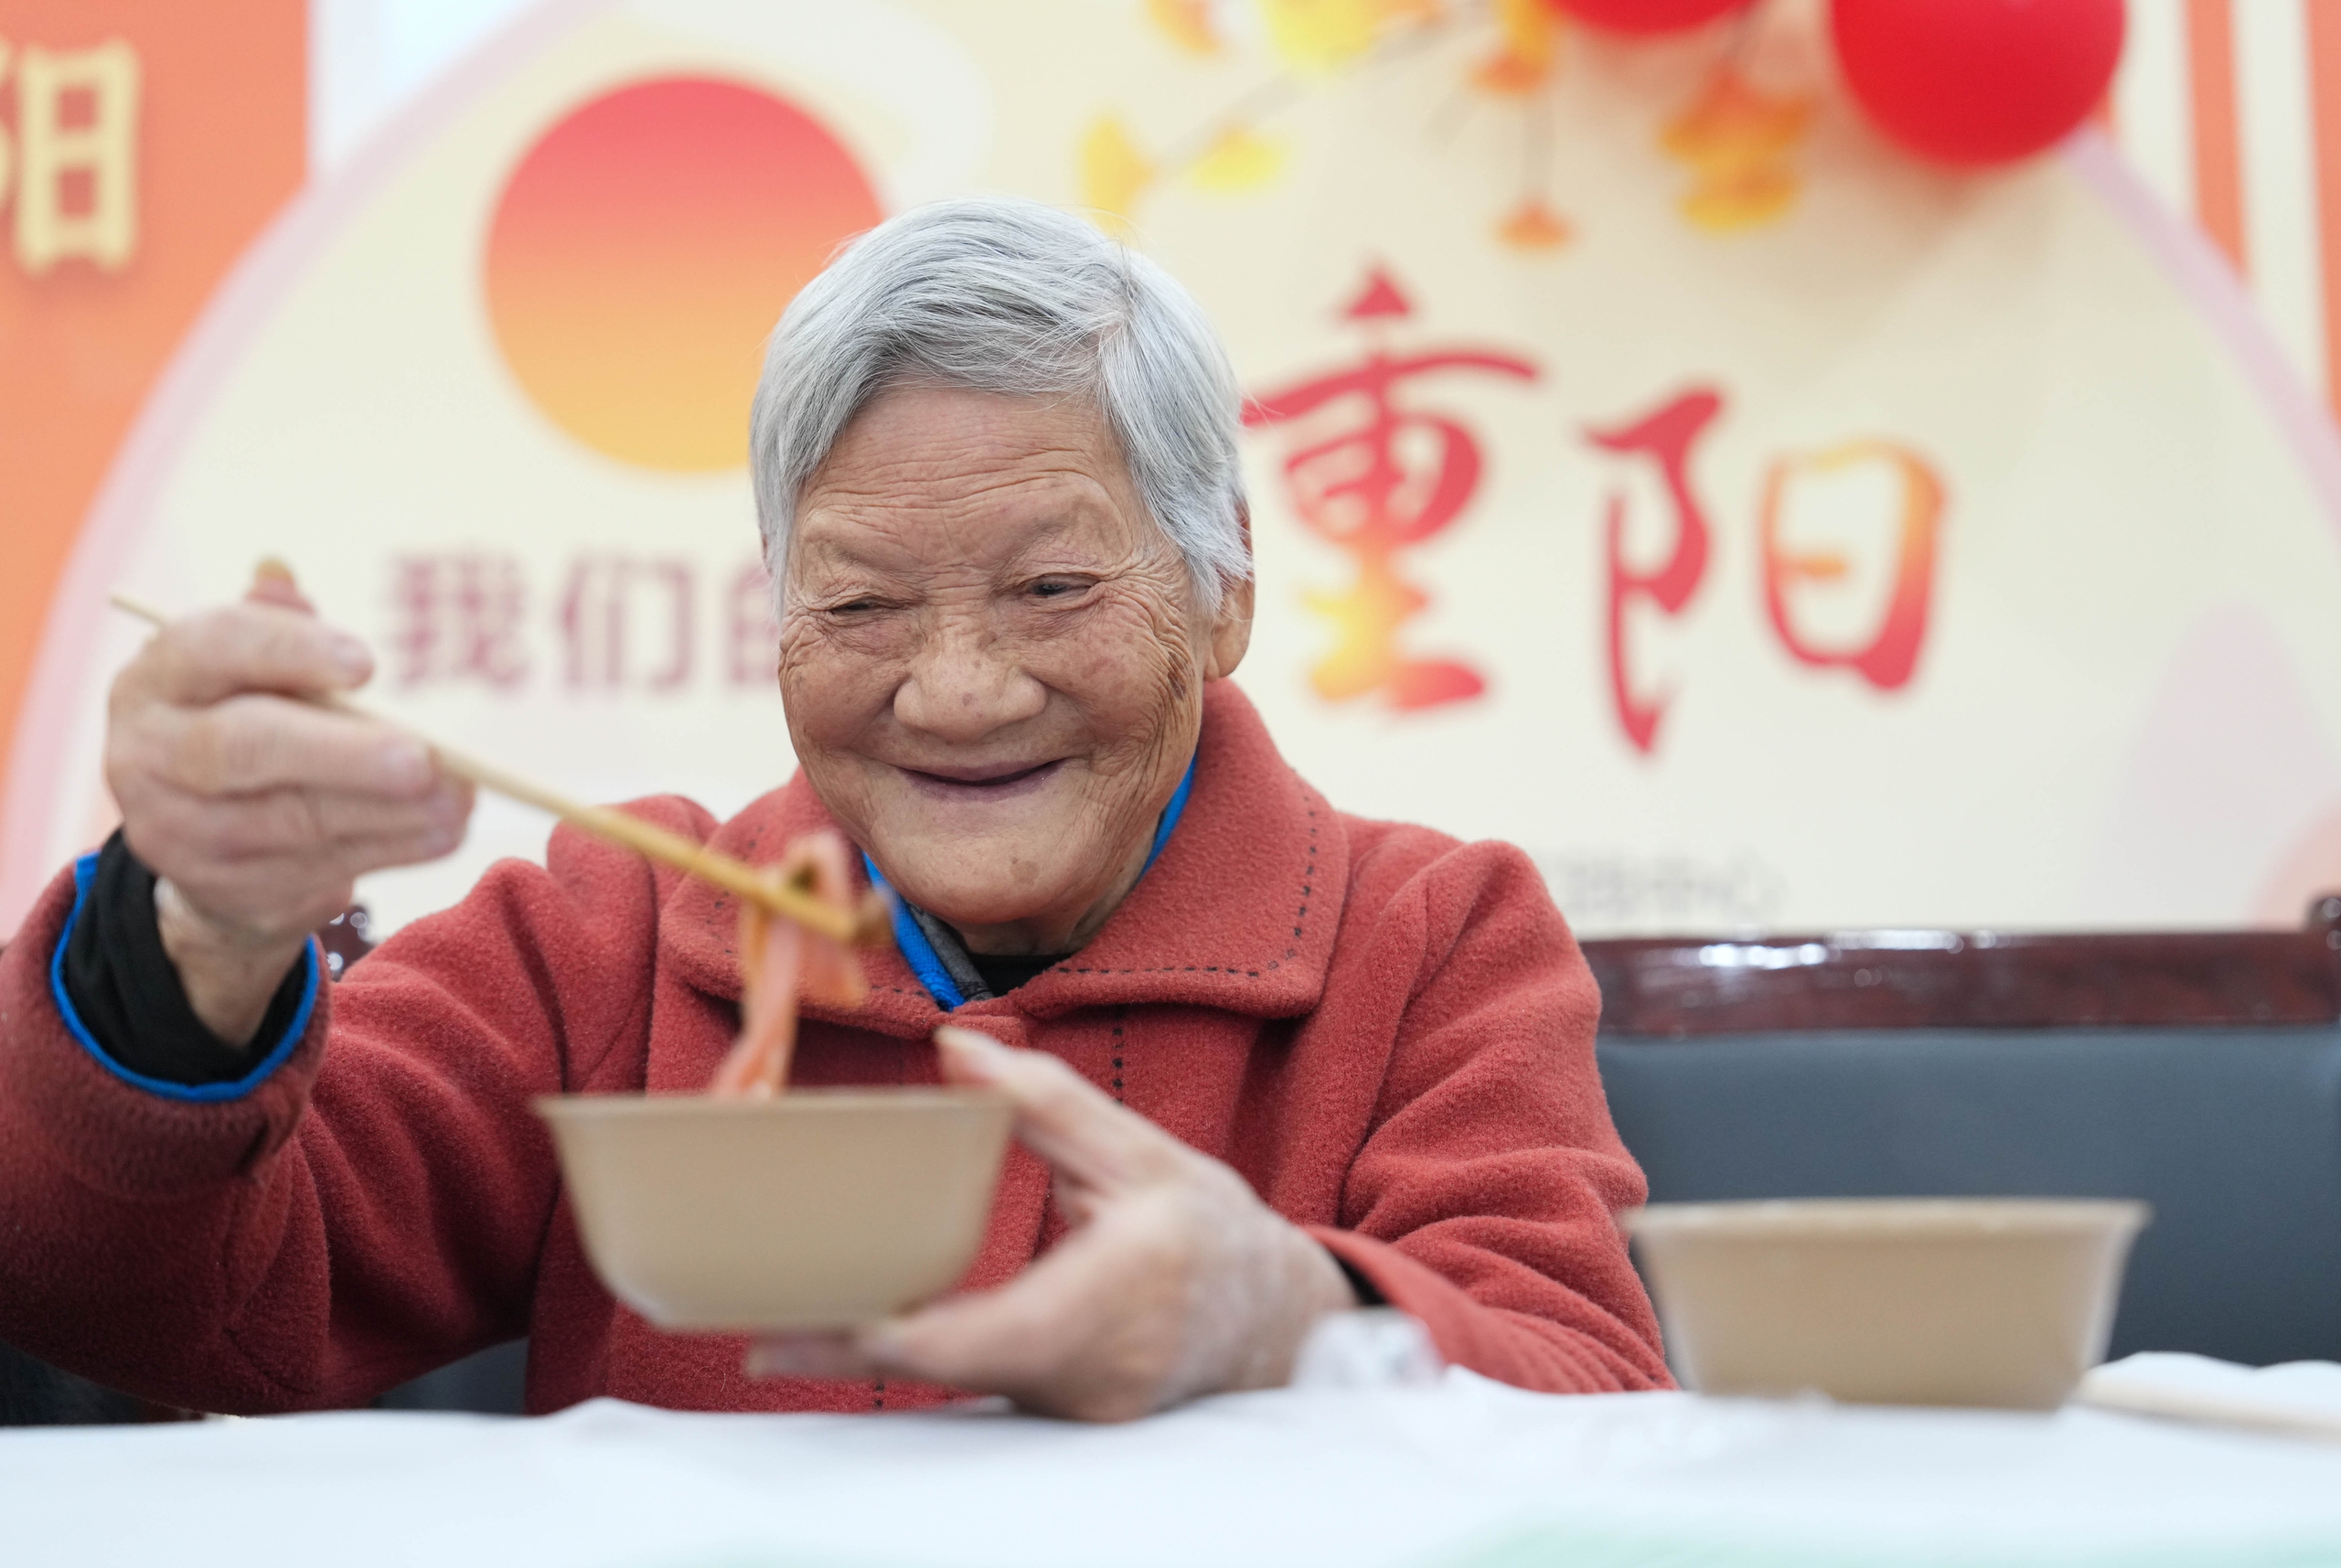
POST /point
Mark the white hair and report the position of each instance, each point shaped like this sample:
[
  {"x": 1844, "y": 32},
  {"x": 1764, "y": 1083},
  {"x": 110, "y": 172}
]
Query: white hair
[{"x": 1001, "y": 294}]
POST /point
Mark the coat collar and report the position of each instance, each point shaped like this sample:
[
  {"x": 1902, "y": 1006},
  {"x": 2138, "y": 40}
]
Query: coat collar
[{"x": 1238, "y": 914}]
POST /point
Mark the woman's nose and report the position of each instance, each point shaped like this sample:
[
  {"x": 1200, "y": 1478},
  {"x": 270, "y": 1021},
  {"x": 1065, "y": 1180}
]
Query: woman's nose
[{"x": 964, "y": 686}]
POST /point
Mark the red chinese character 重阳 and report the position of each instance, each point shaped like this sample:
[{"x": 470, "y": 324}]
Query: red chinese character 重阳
[
  {"x": 1888, "y": 659},
  {"x": 1374, "y": 479},
  {"x": 1665, "y": 437},
  {"x": 1813, "y": 590}
]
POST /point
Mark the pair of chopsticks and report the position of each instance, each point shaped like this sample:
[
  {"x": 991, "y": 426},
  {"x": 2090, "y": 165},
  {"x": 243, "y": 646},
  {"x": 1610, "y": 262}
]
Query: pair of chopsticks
[{"x": 870, "y": 926}]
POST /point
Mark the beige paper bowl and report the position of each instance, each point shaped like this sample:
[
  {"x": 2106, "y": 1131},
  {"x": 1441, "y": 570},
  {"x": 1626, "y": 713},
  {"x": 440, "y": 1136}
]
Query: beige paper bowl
[
  {"x": 1986, "y": 1301},
  {"x": 820, "y": 1208}
]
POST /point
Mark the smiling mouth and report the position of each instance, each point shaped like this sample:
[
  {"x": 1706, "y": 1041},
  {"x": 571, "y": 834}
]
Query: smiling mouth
[{"x": 990, "y": 786}]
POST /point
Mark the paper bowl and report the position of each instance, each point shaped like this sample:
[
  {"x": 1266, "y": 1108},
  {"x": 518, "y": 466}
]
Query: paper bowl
[
  {"x": 1993, "y": 1301},
  {"x": 820, "y": 1208}
]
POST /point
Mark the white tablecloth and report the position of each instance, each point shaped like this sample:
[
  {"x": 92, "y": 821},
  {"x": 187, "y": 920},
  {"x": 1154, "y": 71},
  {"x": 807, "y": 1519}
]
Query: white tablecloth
[{"x": 1464, "y": 1474}]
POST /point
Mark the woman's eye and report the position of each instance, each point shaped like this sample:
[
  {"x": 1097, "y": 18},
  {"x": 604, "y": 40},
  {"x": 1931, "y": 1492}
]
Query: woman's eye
[
  {"x": 853, "y": 607},
  {"x": 1058, "y": 587}
]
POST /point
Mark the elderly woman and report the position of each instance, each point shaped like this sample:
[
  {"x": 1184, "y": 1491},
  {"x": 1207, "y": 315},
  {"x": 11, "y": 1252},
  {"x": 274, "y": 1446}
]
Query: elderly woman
[{"x": 1270, "y": 1062}]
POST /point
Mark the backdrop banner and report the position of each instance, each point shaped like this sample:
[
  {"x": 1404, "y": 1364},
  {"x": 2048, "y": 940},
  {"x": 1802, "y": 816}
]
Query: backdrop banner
[
  {"x": 1649, "y": 465},
  {"x": 142, "y": 148}
]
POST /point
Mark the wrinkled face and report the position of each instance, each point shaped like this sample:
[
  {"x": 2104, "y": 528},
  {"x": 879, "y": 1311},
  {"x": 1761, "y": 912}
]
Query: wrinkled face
[{"x": 993, "y": 660}]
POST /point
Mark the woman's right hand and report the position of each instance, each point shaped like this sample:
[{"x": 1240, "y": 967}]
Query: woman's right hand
[{"x": 258, "y": 811}]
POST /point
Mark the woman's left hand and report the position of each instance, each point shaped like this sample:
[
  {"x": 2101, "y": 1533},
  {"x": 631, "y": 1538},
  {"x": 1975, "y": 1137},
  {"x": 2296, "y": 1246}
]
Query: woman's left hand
[{"x": 1174, "y": 1281}]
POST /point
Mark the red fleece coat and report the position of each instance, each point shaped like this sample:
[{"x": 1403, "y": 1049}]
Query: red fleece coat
[{"x": 1389, "y": 1033}]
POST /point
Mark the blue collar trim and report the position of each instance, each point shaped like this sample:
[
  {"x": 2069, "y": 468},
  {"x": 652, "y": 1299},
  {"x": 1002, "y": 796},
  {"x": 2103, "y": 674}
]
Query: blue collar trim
[
  {"x": 917, "y": 948},
  {"x": 1170, "y": 815},
  {"x": 920, "y": 953}
]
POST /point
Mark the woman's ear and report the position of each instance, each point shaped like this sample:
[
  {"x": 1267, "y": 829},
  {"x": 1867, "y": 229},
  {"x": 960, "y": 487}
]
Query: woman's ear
[{"x": 1231, "y": 631}]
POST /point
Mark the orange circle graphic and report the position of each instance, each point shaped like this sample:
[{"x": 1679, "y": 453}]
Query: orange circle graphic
[{"x": 646, "y": 245}]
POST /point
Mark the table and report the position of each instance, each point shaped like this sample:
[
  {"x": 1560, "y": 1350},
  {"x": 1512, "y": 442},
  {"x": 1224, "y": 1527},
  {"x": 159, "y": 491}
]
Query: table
[{"x": 1461, "y": 1474}]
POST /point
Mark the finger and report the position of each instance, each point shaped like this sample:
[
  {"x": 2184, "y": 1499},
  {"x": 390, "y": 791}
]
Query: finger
[
  {"x": 294, "y": 890},
  {"x": 1044, "y": 1338},
  {"x": 277, "y": 882},
  {"x": 288, "y": 828},
  {"x": 807, "y": 1356},
  {"x": 388, "y": 851},
  {"x": 181, "y": 825},
  {"x": 1060, "y": 1116},
  {"x": 203, "y": 657},
  {"x": 272, "y": 584},
  {"x": 993, "y": 1341},
  {"x": 255, "y": 742},
  {"x": 177, "y": 827},
  {"x": 1078, "y": 1203}
]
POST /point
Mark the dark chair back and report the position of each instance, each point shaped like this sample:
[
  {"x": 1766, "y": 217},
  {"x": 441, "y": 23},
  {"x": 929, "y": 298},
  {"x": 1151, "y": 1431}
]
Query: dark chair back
[
  {"x": 2234, "y": 1135},
  {"x": 2200, "y": 1073}
]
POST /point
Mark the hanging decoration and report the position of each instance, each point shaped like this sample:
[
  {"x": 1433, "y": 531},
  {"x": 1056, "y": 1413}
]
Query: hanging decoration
[
  {"x": 1311, "y": 42},
  {"x": 1965, "y": 82},
  {"x": 1740, "y": 144}
]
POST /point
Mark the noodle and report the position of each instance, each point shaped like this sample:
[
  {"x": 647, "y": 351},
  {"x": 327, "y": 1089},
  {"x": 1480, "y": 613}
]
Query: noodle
[{"x": 780, "y": 961}]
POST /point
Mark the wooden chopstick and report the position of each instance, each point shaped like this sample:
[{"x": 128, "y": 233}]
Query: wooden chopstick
[{"x": 870, "y": 926}]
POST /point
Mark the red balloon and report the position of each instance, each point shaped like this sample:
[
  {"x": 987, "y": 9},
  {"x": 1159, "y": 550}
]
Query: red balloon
[
  {"x": 1647, "y": 16},
  {"x": 1978, "y": 81}
]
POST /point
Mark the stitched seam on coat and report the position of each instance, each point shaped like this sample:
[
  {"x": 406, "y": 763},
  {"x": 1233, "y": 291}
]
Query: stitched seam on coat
[
  {"x": 1299, "y": 923},
  {"x": 1121, "y": 1016}
]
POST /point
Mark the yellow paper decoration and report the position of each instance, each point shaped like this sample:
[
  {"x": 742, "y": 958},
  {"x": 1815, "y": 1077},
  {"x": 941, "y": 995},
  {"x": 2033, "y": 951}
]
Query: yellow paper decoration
[
  {"x": 1241, "y": 159},
  {"x": 1320, "y": 36},
  {"x": 1740, "y": 145},
  {"x": 1113, "y": 171}
]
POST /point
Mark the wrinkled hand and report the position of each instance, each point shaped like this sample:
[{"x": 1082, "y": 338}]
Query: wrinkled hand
[
  {"x": 1174, "y": 1281},
  {"x": 259, "y": 812}
]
